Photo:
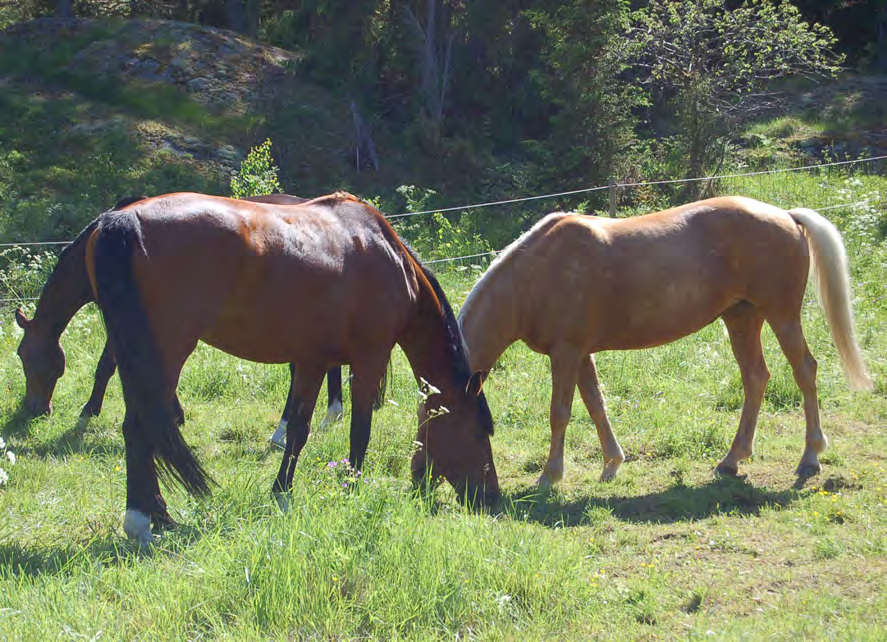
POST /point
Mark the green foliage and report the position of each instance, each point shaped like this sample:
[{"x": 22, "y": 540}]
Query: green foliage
[
  {"x": 257, "y": 175},
  {"x": 592, "y": 124},
  {"x": 439, "y": 236},
  {"x": 719, "y": 66},
  {"x": 23, "y": 271}
]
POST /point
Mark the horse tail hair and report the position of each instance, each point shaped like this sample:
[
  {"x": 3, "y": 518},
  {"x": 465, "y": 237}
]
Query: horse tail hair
[
  {"x": 118, "y": 241},
  {"x": 379, "y": 401},
  {"x": 831, "y": 275}
]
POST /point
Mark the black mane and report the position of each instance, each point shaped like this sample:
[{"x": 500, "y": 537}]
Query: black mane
[{"x": 455, "y": 343}]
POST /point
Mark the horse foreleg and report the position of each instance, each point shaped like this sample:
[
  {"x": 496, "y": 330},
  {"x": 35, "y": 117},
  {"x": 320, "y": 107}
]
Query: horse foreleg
[
  {"x": 103, "y": 373},
  {"x": 334, "y": 408},
  {"x": 565, "y": 364},
  {"x": 279, "y": 437},
  {"x": 794, "y": 345},
  {"x": 143, "y": 499},
  {"x": 366, "y": 376},
  {"x": 589, "y": 388},
  {"x": 305, "y": 388},
  {"x": 744, "y": 323}
]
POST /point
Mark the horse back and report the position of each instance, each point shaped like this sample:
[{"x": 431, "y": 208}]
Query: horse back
[{"x": 270, "y": 283}]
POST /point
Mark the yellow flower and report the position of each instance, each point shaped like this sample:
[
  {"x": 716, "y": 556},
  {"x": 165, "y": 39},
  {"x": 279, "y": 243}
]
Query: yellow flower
[{"x": 116, "y": 469}]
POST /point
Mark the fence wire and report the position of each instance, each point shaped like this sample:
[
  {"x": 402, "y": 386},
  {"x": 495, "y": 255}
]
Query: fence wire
[{"x": 790, "y": 195}]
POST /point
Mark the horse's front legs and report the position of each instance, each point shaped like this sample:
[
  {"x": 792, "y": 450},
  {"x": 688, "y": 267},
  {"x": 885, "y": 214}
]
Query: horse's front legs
[
  {"x": 103, "y": 373},
  {"x": 305, "y": 387},
  {"x": 334, "y": 411},
  {"x": 589, "y": 388},
  {"x": 334, "y": 407},
  {"x": 366, "y": 376},
  {"x": 565, "y": 364}
]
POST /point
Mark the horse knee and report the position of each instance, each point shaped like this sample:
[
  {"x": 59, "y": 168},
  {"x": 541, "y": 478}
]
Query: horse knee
[
  {"x": 560, "y": 417},
  {"x": 756, "y": 381}
]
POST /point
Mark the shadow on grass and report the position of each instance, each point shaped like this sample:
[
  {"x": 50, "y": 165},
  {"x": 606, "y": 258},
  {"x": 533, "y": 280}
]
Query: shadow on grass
[
  {"x": 40, "y": 560},
  {"x": 76, "y": 440},
  {"x": 677, "y": 504}
]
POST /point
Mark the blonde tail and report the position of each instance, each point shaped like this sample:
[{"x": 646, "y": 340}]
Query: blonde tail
[{"x": 831, "y": 275}]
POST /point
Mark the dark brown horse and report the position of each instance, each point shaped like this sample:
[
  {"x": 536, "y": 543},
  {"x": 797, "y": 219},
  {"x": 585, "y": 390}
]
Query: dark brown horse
[
  {"x": 575, "y": 285},
  {"x": 66, "y": 291},
  {"x": 320, "y": 284}
]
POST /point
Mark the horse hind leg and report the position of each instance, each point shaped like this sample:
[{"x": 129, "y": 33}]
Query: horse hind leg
[
  {"x": 791, "y": 339},
  {"x": 565, "y": 364},
  {"x": 744, "y": 322},
  {"x": 589, "y": 388},
  {"x": 144, "y": 501}
]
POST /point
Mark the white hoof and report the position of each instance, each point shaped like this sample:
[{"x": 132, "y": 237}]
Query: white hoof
[
  {"x": 82, "y": 423},
  {"x": 137, "y": 526},
  {"x": 279, "y": 437},
  {"x": 333, "y": 414},
  {"x": 283, "y": 502}
]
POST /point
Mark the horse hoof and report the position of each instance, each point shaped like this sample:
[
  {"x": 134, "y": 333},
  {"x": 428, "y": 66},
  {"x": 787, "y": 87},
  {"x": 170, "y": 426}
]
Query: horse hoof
[
  {"x": 726, "y": 470},
  {"x": 283, "y": 502},
  {"x": 278, "y": 439},
  {"x": 609, "y": 474},
  {"x": 333, "y": 415},
  {"x": 805, "y": 471},
  {"x": 137, "y": 526},
  {"x": 82, "y": 422}
]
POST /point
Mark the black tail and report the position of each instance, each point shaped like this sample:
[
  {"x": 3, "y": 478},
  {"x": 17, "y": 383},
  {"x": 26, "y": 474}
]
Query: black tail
[{"x": 119, "y": 240}]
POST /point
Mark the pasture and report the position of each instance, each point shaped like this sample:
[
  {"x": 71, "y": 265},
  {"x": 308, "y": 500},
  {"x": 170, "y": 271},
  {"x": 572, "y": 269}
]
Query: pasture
[{"x": 665, "y": 551}]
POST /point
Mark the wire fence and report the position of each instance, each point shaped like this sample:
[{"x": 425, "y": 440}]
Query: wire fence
[{"x": 775, "y": 186}]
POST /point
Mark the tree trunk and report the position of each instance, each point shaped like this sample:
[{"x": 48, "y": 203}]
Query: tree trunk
[
  {"x": 64, "y": 9},
  {"x": 236, "y": 14},
  {"x": 881, "y": 58},
  {"x": 253, "y": 11}
]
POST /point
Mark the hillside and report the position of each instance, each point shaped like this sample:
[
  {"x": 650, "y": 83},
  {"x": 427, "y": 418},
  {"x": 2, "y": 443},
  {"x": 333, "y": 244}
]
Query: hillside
[{"x": 93, "y": 110}]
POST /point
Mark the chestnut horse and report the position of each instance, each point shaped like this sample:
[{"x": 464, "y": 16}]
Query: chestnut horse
[
  {"x": 575, "y": 285},
  {"x": 320, "y": 284},
  {"x": 66, "y": 291}
]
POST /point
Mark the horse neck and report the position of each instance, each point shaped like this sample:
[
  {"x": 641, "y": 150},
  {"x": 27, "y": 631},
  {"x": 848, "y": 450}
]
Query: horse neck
[
  {"x": 426, "y": 342},
  {"x": 488, "y": 319},
  {"x": 66, "y": 291}
]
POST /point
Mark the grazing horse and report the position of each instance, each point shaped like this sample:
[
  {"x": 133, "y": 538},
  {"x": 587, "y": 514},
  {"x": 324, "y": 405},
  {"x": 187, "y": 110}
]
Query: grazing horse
[
  {"x": 66, "y": 291},
  {"x": 319, "y": 284},
  {"x": 575, "y": 285}
]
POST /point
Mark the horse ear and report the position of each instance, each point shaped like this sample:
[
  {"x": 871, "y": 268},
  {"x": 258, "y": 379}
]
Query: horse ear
[
  {"x": 21, "y": 319},
  {"x": 475, "y": 384}
]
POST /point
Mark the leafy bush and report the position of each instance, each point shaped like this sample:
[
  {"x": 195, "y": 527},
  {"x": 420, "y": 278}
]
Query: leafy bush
[
  {"x": 257, "y": 175},
  {"x": 23, "y": 272}
]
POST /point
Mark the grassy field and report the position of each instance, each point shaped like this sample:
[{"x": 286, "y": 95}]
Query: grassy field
[{"x": 665, "y": 551}]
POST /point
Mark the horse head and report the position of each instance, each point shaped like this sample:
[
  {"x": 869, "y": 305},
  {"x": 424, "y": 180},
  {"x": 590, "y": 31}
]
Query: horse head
[
  {"x": 43, "y": 361},
  {"x": 454, "y": 443}
]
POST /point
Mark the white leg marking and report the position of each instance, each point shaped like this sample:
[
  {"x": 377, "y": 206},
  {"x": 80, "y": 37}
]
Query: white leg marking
[
  {"x": 279, "y": 437},
  {"x": 137, "y": 526},
  {"x": 333, "y": 414},
  {"x": 82, "y": 423},
  {"x": 283, "y": 501}
]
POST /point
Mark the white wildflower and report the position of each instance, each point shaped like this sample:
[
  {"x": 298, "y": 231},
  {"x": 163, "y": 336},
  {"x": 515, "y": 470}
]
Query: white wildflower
[
  {"x": 11, "y": 457},
  {"x": 3, "y": 477}
]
